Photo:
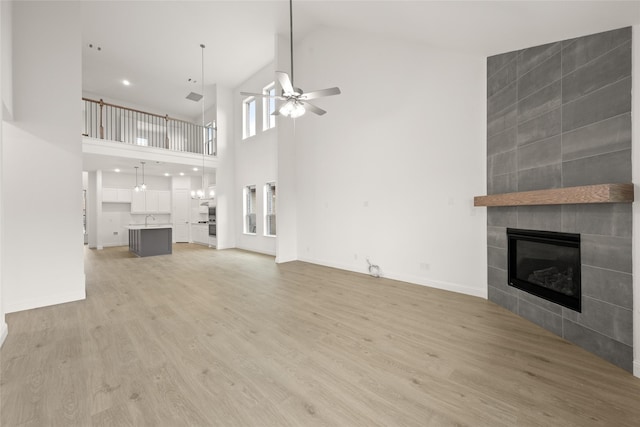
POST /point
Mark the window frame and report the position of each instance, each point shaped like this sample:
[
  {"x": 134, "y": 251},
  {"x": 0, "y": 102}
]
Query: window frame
[
  {"x": 249, "y": 208},
  {"x": 248, "y": 120},
  {"x": 270, "y": 201},
  {"x": 268, "y": 107}
]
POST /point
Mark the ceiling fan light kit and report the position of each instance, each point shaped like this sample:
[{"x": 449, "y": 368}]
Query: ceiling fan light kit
[
  {"x": 297, "y": 101},
  {"x": 292, "y": 109}
]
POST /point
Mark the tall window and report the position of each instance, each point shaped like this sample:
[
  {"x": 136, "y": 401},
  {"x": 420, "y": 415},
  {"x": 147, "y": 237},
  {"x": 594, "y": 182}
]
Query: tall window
[
  {"x": 248, "y": 117},
  {"x": 270, "y": 209},
  {"x": 269, "y": 107},
  {"x": 250, "y": 209}
]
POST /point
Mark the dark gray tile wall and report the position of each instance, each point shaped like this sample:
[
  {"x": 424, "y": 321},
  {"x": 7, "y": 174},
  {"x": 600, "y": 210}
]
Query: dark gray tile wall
[{"x": 559, "y": 115}]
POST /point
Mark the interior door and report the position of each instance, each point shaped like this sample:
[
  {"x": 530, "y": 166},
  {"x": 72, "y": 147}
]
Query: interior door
[{"x": 181, "y": 202}]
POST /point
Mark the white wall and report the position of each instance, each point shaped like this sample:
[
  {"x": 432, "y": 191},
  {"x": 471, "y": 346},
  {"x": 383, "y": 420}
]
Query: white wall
[
  {"x": 6, "y": 37},
  {"x": 286, "y": 199},
  {"x": 225, "y": 174},
  {"x": 255, "y": 164},
  {"x": 94, "y": 208},
  {"x": 391, "y": 170},
  {"x": 42, "y": 152},
  {"x": 5, "y": 62},
  {"x": 635, "y": 163}
]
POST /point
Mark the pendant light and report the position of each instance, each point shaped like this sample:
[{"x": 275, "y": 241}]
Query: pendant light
[
  {"x": 200, "y": 193},
  {"x": 143, "y": 186},
  {"x": 137, "y": 187}
]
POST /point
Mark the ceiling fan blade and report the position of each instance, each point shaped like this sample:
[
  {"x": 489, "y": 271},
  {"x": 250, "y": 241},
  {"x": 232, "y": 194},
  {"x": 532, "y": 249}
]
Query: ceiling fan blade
[
  {"x": 313, "y": 108},
  {"x": 263, "y": 95},
  {"x": 285, "y": 82},
  {"x": 320, "y": 93}
]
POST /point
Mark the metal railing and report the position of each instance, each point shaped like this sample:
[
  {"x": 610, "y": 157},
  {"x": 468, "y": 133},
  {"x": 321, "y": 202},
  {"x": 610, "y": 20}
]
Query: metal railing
[{"x": 112, "y": 122}]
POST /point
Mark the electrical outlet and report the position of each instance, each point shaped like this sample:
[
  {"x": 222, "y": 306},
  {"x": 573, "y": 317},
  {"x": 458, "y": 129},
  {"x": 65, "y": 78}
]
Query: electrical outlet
[
  {"x": 424, "y": 266},
  {"x": 355, "y": 256},
  {"x": 115, "y": 233}
]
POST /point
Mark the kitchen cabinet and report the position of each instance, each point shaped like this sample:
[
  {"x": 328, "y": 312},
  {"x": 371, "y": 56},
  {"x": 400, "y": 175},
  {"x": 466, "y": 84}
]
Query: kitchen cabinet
[
  {"x": 116, "y": 195},
  {"x": 151, "y": 201},
  {"x": 164, "y": 201},
  {"x": 138, "y": 204},
  {"x": 200, "y": 234},
  {"x": 149, "y": 241}
]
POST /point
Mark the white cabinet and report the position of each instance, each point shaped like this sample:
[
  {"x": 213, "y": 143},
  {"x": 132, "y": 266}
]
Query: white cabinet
[
  {"x": 200, "y": 234},
  {"x": 138, "y": 204},
  {"x": 109, "y": 194},
  {"x": 124, "y": 195},
  {"x": 164, "y": 201},
  {"x": 151, "y": 201},
  {"x": 116, "y": 195}
]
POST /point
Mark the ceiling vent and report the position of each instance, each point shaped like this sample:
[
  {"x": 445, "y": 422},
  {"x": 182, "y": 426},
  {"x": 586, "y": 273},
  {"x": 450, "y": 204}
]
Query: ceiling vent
[{"x": 194, "y": 96}]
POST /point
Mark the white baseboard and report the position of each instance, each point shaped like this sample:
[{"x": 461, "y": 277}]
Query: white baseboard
[
  {"x": 46, "y": 301},
  {"x": 4, "y": 331},
  {"x": 438, "y": 284},
  {"x": 244, "y": 248},
  {"x": 282, "y": 260},
  {"x": 636, "y": 368}
]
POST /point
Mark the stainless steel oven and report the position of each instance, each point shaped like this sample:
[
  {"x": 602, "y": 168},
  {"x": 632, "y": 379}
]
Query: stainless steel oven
[{"x": 212, "y": 221}]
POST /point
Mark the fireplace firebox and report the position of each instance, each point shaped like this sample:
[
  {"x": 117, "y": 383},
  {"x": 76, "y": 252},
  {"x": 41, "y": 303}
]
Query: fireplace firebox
[{"x": 545, "y": 264}]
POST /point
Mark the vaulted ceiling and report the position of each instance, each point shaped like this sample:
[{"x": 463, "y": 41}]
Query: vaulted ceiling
[{"x": 155, "y": 44}]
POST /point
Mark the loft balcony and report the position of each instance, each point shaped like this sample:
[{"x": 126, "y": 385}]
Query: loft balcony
[{"x": 114, "y": 123}]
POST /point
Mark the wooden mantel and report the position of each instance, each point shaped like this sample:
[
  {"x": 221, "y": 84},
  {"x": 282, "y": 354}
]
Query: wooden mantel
[{"x": 602, "y": 193}]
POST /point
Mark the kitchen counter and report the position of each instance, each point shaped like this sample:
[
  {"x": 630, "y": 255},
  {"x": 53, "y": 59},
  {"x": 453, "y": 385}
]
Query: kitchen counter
[
  {"x": 147, "y": 227},
  {"x": 150, "y": 240}
]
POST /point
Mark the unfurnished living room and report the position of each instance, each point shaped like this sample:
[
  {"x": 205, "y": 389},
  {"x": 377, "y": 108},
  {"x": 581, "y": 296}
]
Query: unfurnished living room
[{"x": 301, "y": 212}]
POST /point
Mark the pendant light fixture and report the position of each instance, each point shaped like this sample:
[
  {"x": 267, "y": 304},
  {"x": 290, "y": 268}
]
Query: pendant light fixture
[
  {"x": 137, "y": 187},
  {"x": 200, "y": 193},
  {"x": 143, "y": 186}
]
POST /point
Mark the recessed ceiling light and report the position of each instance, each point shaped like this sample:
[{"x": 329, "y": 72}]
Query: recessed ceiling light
[
  {"x": 166, "y": 174},
  {"x": 195, "y": 169},
  {"x": 117, "y": 170},
  {"x": 126, "y": 82},
  {"x": 181, "y": 173}
]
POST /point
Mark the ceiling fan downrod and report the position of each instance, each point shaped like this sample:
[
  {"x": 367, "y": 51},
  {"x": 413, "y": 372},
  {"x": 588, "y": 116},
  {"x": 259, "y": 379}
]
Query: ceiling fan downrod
[{"x": 291, "y": 37}]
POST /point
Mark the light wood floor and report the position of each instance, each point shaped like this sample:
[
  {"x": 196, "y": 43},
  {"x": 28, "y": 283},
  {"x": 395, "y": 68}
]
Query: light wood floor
[{"x": 205, "y": 337}]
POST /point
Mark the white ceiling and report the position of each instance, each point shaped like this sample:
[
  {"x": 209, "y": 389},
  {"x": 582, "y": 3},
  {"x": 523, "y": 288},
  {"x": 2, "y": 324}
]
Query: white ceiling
[
  {"x": 156, "y": 44},
  {"x": 92, "y": 162}
]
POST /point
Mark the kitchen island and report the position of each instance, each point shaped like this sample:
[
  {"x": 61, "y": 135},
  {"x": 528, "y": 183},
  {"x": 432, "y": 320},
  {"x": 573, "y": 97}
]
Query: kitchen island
[{"x": 150, "y": 240}]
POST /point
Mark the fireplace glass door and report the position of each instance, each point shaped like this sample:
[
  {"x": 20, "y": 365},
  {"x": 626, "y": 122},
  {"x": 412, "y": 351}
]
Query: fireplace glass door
[{"x": 546, "y": 264}]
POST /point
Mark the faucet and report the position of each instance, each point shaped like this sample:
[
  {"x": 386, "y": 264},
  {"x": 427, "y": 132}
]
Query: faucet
[{"x": 147, "y": 217}]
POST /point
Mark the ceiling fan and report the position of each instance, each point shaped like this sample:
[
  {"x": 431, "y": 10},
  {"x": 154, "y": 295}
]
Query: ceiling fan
[{"x": 296, "y": 100}]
